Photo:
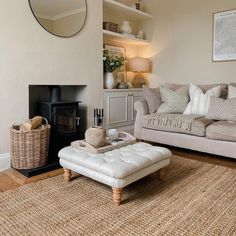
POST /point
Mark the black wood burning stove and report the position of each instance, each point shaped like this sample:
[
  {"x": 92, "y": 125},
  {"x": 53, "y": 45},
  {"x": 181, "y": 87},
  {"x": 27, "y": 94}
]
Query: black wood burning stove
[
  {"x": 63, "y": 116},
  {"x": 64, "y": 120}
]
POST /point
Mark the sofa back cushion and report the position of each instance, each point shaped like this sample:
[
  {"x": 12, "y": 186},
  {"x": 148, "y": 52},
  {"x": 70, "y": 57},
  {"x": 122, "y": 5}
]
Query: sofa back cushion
[
  {"x": 205, "y": 88},
  {"x": 153, "y": 98}
]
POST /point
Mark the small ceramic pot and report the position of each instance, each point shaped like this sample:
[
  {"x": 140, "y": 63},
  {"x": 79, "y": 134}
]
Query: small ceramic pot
[{"x": 95, "y": 136}]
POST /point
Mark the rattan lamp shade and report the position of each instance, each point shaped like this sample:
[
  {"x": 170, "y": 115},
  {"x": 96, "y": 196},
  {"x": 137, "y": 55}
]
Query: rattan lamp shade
[{"x": 142, "y": 65}]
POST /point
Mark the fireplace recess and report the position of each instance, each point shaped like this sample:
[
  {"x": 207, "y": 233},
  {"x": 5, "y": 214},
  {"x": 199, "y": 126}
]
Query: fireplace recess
[{"x": 63, "y": 116}]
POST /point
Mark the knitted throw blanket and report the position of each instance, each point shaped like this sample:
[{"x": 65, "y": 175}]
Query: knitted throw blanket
[{"x": 171, "y": 120}]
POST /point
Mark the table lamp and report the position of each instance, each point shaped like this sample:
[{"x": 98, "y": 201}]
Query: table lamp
[{"x": 139, "y": 66}]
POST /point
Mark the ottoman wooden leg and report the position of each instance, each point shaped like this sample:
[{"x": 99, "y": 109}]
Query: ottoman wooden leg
[
  {"x": 162, "y": 173},
  {"x": 67, "y": 174},
  {"x": 117, "y": 195}
]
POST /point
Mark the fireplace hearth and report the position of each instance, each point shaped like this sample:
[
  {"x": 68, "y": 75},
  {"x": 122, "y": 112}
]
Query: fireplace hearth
[{"x": 64, "y": 118}]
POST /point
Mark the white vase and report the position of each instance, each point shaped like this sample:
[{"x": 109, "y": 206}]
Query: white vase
[
  {"x": 109, "y": 80},
  {"x": 126, "y": 27}
]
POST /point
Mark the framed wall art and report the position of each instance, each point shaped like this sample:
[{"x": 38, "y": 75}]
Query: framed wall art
[
  {"x": 224, "y": 36},
  {"x": 120, "y": 74}
]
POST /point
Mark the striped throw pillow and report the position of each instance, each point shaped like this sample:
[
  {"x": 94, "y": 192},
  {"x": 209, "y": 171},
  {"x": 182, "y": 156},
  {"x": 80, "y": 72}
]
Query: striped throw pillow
[
  {"x": 200, "y": 101},
  {"x": 232, "y": 92}
]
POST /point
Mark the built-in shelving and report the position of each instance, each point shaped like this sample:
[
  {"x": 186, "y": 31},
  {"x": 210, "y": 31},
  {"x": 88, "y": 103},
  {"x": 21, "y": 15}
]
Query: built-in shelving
[
  {"x": 123, "y": 9},
  {"x": 119, "y": 38}
]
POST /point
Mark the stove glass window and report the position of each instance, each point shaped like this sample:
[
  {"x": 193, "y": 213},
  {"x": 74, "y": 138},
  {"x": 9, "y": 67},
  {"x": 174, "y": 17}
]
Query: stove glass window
[{"x": 66, "y": 120}]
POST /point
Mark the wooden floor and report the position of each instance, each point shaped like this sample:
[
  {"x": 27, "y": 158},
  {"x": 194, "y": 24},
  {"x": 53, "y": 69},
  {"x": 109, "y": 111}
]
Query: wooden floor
[{"x": 11, "y": 179}]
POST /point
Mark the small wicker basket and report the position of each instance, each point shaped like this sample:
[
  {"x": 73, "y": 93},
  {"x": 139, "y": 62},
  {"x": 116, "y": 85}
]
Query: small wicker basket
[{"x": 29, "y": 149}]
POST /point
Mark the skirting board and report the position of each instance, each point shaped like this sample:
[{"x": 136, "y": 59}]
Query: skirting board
[{"x": 5, "y": 162}]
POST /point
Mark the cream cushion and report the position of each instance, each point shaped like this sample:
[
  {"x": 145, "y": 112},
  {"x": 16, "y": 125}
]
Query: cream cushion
[
  {"x": 173, "y": 101},
  {"x": 119, "y": 167},
  {"x": 232, "y": 92},
  {"x": 199, "y": 102}
]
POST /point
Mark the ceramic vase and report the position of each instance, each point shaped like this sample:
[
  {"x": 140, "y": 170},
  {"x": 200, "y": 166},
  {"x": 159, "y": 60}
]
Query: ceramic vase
[
  {"x": 126, "y": 27},
  {"x": 109, "y": 80},
  {"x": 95, "y": 136}
]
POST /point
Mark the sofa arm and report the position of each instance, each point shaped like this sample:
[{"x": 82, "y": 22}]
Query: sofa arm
[{"x": 142, "y": 109}]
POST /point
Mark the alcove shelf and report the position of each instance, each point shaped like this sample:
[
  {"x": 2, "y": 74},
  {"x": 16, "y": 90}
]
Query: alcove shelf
[
  {"x": 123, "y": 9},
  {"x": 119, "y": 38}
]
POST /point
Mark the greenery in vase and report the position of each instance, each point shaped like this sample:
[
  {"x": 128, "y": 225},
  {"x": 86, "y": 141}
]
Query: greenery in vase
[{"x": 112, "y": 61}]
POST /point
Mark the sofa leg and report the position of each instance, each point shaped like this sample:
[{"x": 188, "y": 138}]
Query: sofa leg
[
  {"x": 117, "y": 195},
  {"x": 162, "y": 173},
  {"x": 67, "y": 174}
]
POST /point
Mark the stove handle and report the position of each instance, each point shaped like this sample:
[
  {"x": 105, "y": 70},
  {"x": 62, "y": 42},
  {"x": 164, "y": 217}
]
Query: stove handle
[
  {"x": 54, "y": 118},
  {"x": 77, "y": 120}
]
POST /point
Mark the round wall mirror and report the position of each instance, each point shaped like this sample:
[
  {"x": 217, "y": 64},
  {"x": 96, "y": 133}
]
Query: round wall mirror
[{"x": 63, "y": 18}]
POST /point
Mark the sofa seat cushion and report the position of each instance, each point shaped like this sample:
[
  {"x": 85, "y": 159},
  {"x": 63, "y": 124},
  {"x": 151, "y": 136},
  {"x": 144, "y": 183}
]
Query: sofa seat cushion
[
  {"x": 198, "y": 126},
  {"x": 222, "y": 130}
]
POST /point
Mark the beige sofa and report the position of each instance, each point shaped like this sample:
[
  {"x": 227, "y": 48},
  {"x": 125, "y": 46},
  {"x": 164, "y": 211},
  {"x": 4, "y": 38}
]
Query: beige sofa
[{"x": 214, "y": 137}]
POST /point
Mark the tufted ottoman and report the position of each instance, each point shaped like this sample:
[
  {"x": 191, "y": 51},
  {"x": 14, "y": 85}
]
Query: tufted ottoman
[{"x": 117, "y": 168}]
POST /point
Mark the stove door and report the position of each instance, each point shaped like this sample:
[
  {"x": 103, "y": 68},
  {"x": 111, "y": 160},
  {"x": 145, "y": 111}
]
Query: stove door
[{"x": 65, "y": 119}]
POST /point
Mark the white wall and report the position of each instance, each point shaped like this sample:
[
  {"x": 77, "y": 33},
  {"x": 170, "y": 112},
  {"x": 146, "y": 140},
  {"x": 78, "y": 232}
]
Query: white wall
[
  {"x": 182, "y": 42},
  {"x": 30, "y": 55}
]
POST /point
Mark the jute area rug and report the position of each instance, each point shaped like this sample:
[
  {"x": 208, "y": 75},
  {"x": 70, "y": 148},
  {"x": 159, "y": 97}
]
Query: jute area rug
[{"x": 195, "y": 199}]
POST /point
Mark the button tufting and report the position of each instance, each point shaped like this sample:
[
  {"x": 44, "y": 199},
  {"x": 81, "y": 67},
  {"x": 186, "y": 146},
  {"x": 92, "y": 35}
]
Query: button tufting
[{"x": 117, "y": 163}]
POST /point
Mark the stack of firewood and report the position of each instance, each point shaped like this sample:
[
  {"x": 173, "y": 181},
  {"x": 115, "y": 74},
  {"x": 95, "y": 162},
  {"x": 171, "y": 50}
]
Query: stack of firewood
[{"x": 30, "y": 124}]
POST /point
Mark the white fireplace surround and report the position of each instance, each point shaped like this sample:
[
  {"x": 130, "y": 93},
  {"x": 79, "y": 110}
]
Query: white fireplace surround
[{"x": 5, "y": 162}]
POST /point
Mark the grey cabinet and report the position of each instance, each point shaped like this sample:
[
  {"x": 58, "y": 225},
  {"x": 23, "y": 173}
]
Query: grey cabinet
[{"x": 119, "y": 107}]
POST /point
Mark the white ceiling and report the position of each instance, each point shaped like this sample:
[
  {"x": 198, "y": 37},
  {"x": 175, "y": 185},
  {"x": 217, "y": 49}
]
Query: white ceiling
[{"x": 54, "y": 8}]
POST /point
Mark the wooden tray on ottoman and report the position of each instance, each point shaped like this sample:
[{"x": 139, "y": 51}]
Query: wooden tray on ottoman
[{"x": 125, "y": 140}]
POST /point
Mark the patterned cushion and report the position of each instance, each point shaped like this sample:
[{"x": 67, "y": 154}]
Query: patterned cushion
[
  {"x": 232, "y": 92},
  {"x": 153, "y": 98},
  {"x": 173, "y": 101},
  {"x": 199, "y": 102},
  {"x": 221, "y": 109}
]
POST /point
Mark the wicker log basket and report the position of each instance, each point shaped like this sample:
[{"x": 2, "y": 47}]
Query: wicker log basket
[{"x": 29, "y": 149}]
